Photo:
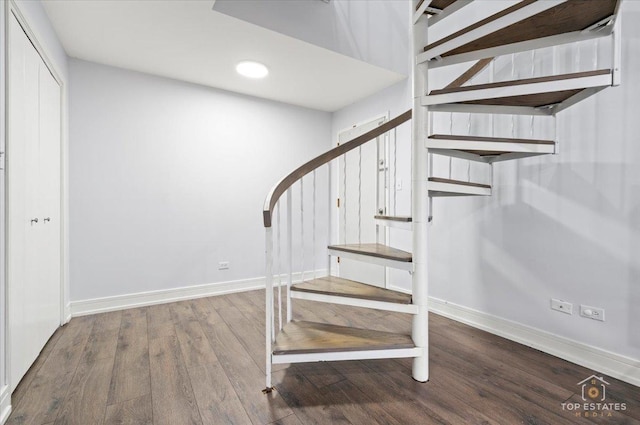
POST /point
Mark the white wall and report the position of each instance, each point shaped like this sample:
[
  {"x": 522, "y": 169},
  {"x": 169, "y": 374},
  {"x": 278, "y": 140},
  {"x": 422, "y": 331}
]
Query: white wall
[
  {"x": 371, "y": 31},
  {"x": 168, "y": 179},
  {"x": 564, "y": 226}
]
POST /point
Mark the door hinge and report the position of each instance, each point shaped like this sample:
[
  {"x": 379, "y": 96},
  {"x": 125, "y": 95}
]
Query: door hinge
[
  {"x": 338, "y": 259},
  {"x": 338, "y": 202}
]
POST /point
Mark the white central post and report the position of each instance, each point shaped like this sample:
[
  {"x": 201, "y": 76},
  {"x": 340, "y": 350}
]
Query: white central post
[
  {"x": 269, "y": 303},
  {"x": 419, "y": 199}
]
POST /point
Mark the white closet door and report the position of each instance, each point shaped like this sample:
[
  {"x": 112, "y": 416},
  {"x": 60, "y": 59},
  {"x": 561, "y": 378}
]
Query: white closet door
[
  {"x": 33, "y": 123},
  {"x": 48, "y": 255}
]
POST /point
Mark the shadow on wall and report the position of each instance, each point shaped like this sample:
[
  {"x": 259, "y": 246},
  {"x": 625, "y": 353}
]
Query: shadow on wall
[{"x": 566, "y": 238}]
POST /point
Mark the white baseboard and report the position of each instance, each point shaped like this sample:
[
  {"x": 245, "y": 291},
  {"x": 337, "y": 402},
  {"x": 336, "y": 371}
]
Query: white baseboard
[
  {"x": 5, "y": 404},
  {"x": 141, "y": 299},
  {"x": 620, "y": 367}
]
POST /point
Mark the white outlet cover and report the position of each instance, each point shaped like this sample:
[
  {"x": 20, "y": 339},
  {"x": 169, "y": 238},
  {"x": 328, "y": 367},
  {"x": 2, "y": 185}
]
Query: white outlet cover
[
  {"x": 595, "y": 313},
  {"x": 561, "y": 306}
]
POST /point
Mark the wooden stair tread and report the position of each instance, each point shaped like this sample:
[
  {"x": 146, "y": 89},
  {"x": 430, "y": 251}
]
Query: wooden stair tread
[
  {"x": 570, "y": 16},
  {"x": 402, "y": 218},
  {"x": 522, "y": 81},
  {"x": 490, "y": 139},
  {"x": 535, "y": 100},
  {"x": 309, "y": 337},
  {"x": 459, "y": 182},
  {"x": 437, "y": 4},
  {"x": 333, "y": 285},
  {"x": 375, "y": 250}
]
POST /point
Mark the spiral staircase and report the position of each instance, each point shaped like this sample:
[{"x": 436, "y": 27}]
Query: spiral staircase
[{"x": 524, "y": 26}]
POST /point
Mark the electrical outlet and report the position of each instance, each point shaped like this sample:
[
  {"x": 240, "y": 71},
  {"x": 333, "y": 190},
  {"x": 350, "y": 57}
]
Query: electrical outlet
[
  {"x": 562, "y": 306},
  {"x": 595, "y": 313},
  {"x": 223, "y": 265}
]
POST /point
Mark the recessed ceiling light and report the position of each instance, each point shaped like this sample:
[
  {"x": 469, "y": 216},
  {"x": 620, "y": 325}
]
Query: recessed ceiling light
[{"x": 251, "y": 69}]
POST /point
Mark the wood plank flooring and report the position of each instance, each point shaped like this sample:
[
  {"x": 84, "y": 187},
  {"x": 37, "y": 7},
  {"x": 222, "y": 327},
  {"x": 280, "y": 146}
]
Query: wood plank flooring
[{"x": 202, "y": 362}]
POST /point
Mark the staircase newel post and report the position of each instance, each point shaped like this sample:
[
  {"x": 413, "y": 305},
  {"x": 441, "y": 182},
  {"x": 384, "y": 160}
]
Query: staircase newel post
[
  {"x": 268, "y": 303},
  {"x": 419, "y": 199}
]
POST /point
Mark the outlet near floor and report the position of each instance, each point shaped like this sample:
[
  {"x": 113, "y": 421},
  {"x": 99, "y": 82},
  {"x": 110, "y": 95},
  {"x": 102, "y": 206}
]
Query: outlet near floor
[
  {"x": 561, "y": 306},
  {"x": 595, "y": 313},
  {"x": 223, "y": 265}
]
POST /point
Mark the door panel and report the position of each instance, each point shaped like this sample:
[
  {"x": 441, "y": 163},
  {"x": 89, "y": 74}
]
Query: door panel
[
  {"x": 48, "y": 255},
  {"x": 358, "y": 203},
  {"x": 33, "y": 154}
]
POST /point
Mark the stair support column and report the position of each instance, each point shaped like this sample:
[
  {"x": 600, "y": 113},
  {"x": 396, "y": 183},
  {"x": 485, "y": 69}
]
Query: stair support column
[
  {"x": 420, "y": 200},
  {"x": 268, "y": 306}
]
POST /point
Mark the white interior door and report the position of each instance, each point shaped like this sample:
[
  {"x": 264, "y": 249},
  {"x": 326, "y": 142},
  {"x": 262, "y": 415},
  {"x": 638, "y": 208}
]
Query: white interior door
[
  {"x": 33, "y": 194},
  {"x": 358, "y": 173}
]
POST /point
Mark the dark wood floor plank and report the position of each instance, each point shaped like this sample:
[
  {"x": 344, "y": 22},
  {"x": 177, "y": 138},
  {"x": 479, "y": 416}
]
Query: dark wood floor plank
[
  {"x": 309, "y": 405},
  {"x": 181, "y": 312},
  {"x": 24, "y": 384},
  {"x": 492, "y": 369},
  {"x": 289, "y": 420},
  {"x": 131, "y": 368},
  {"x": 245, "y": 375},
  {"x": 194, "y": 345},
  {"x": 321, "y": 374},
  {"x": 131, "y": 412},
  {"x": 47, "y": 391},
  {"x": 248, "y": 332},
  {"x": 160, "y": 321},
  {"x": 531, "y": 397},
  {"x": 359, "y": 408},
  {"x": 107, "y": 321},
  {"x": 87, "y": 398},
  {"x": 101, "y": 345},
  {"x": 413, "y": 401},
  {"x": 172, "y": 396},
  {"x": 217, "y": 400},
  {"x": 221, "y": 302}
]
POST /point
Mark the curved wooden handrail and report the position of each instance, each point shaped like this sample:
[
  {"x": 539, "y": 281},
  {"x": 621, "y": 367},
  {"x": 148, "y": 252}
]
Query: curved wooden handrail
[{"x": 303, "y": 170}]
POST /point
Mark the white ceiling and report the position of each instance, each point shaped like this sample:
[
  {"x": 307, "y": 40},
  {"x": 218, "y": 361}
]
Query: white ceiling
[{"x": 188, "y": 41}]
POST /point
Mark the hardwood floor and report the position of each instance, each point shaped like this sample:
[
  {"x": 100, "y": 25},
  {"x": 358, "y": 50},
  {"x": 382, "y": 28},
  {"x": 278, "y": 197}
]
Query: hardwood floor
[{"x": 202, "y": 362}]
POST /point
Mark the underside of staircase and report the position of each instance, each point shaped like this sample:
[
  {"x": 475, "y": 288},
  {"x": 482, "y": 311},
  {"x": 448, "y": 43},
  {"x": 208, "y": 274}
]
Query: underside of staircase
[{"x": 527, "y": 25}]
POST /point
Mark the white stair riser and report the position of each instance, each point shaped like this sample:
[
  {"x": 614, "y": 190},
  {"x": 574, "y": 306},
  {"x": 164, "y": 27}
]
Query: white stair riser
[{"x": 355, "y": 302}]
